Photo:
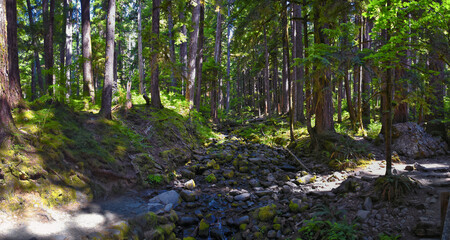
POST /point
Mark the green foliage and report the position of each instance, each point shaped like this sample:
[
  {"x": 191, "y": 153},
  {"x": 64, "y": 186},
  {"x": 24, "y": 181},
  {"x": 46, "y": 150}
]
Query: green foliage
[
  {"x": 374, "y": 129},
  {"x": 393, "y": 187},
  {"x": 154, "y": 179},
  {"x": 211, "y": 178},
  {"x": 327, "y": 230}
]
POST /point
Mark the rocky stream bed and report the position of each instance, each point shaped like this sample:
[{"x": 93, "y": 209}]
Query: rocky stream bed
[{"x": 238, "y": 190}]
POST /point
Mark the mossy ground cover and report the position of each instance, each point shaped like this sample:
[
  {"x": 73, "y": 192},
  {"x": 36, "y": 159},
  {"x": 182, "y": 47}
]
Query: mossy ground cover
[
  {"x": 340, "y": 151},
  {"x": 63, "y": 150}
]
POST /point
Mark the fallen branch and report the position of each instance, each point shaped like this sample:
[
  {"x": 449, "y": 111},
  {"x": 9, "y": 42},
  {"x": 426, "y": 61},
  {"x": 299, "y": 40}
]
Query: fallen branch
[{"x": 298, "y": 160}]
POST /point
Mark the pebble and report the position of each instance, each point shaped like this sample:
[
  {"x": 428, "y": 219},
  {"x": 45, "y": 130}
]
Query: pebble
[
  {"x": 242, "y": 197},
  {"x": 188, "y": 221}
]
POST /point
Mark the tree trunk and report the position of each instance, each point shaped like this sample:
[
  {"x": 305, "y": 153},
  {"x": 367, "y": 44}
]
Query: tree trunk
[
  {"x": 227, "y": 97},
  {"x": 351, "y": 110},
  {"x": 193, "y": 46},
  {"x": 6, "y": 120},
  {"x": 387, "y": 85},
  {"x": 199, "y": 63},
  {"x": 299, "y": 73},
  {"x": 68, "y": 48},
  {"x": 88, "y": 78},
  {"x": 15, "y": 90},
  {"x": 105, "y": 110},
  {"x": 38, "y": 79},
  {"x": 48, "y": 42},
  {"x": 276, "y": 98},
  {"x": 217, "y": 52},
  {"x": 62, "y": 53},
  {"x": 140, "y": 59},
  {"x": 267, "y": 108},
  {"x": 285, "y": 70},
  {"x": 339, "y": 100},
  {"x": 366, "y": 76},
  {"x": 322, "y": 86},
  {"x": 183, "y": 54},
  {"x": 156, "y": 100},
  {"x": 173, "y": 81}
]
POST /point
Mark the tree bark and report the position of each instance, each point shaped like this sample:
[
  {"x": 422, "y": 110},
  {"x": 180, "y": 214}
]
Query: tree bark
[
  {"x": 299, "y": 72},
  {"x": 15, "y": 90},
  {"x": 156, "y": 100},
  {"x": 38, "y": 78},
  {"x": 48, "y": 43},
  {"x": 88, "y": 78},
  {"x": 322, "y": 86},
  {"x": 199, "y": 63},
  {"x": 285, "y": 70},
  {"x": 193, "y": 46},
  {"x": 173, "y": 81},
  {"x": 267, "y": 102},
  {"x": 366, "y": 75},
  {"x": 183, "y": 54},
  {"x": 6, "y": 120},
  {"x": 217, "y": 52},
  {"x": 227, "y": 97},
  {"x": 387, "y": 85},
  {"x": 105, "y": 110},
  {"x": 68, "y": 39},
  {"x": 140, "y": 59}
]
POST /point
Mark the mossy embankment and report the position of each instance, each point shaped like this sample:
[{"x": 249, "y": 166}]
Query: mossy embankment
[{"x": 61, "y": 154}]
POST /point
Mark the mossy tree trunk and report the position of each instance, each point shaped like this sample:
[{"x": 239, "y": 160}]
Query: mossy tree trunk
[
  {"x": 6, "y": 120},
  {"x": 105, "y": 110}
]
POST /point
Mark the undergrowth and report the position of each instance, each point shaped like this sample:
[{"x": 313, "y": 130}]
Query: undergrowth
[{"x": 393, "y": 188}]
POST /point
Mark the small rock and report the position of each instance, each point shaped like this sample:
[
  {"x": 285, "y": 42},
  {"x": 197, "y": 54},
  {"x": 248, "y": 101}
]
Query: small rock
[
  {"x": 363, "y": 214},
  {"x": 271, "y": 234},
  {"x": 188, "y": 221},
  {"x": 286, "y": 189},
  {"x": 242, "y": 197},
  {"x": 188, "y": 196},
  {"x": 241, "y": 220},
  {"x": 367, "y": 204},
  {"x": 254, "y": 182},
  {"x": 167, "y": 197},
  {"x": 187, "y": 174},
  {"x": 154, "y": 206},
  {"x": 168, "y": 207},
  {"x": 189, "y": 184}
]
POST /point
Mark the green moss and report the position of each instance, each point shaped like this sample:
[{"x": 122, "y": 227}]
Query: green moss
[
  {"x": 211, "y": 178},
  {"x": 267, "y": 213},
  {"x": 277, "y": 227},
  {"x": 203, "y": 226},
  {"x": 168, "y": 228},
  {"x": 243, "y": 227},
  {"x": 228, "y": 174},
  {"x": 154, "y": 179},
  {"x": 189, "y": 238},
  {"x": 294, "y": 207},
  {"x": 258, "y": 235}
]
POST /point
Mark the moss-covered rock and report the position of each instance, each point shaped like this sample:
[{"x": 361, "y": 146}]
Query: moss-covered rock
[
  {"x": 267, "y": 213},
  {"x": 294, "y": 207},
  {"x": 203, "y": 228},
  {"x": 228, "y": 174}
]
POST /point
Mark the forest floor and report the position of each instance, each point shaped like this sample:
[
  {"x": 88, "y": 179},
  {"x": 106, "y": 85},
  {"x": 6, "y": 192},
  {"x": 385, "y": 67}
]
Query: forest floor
[{"x": 236, "y": 186}]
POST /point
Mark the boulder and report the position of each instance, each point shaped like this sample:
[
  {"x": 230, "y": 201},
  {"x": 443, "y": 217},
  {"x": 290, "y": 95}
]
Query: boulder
[{"x": 411, "y": 140}]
